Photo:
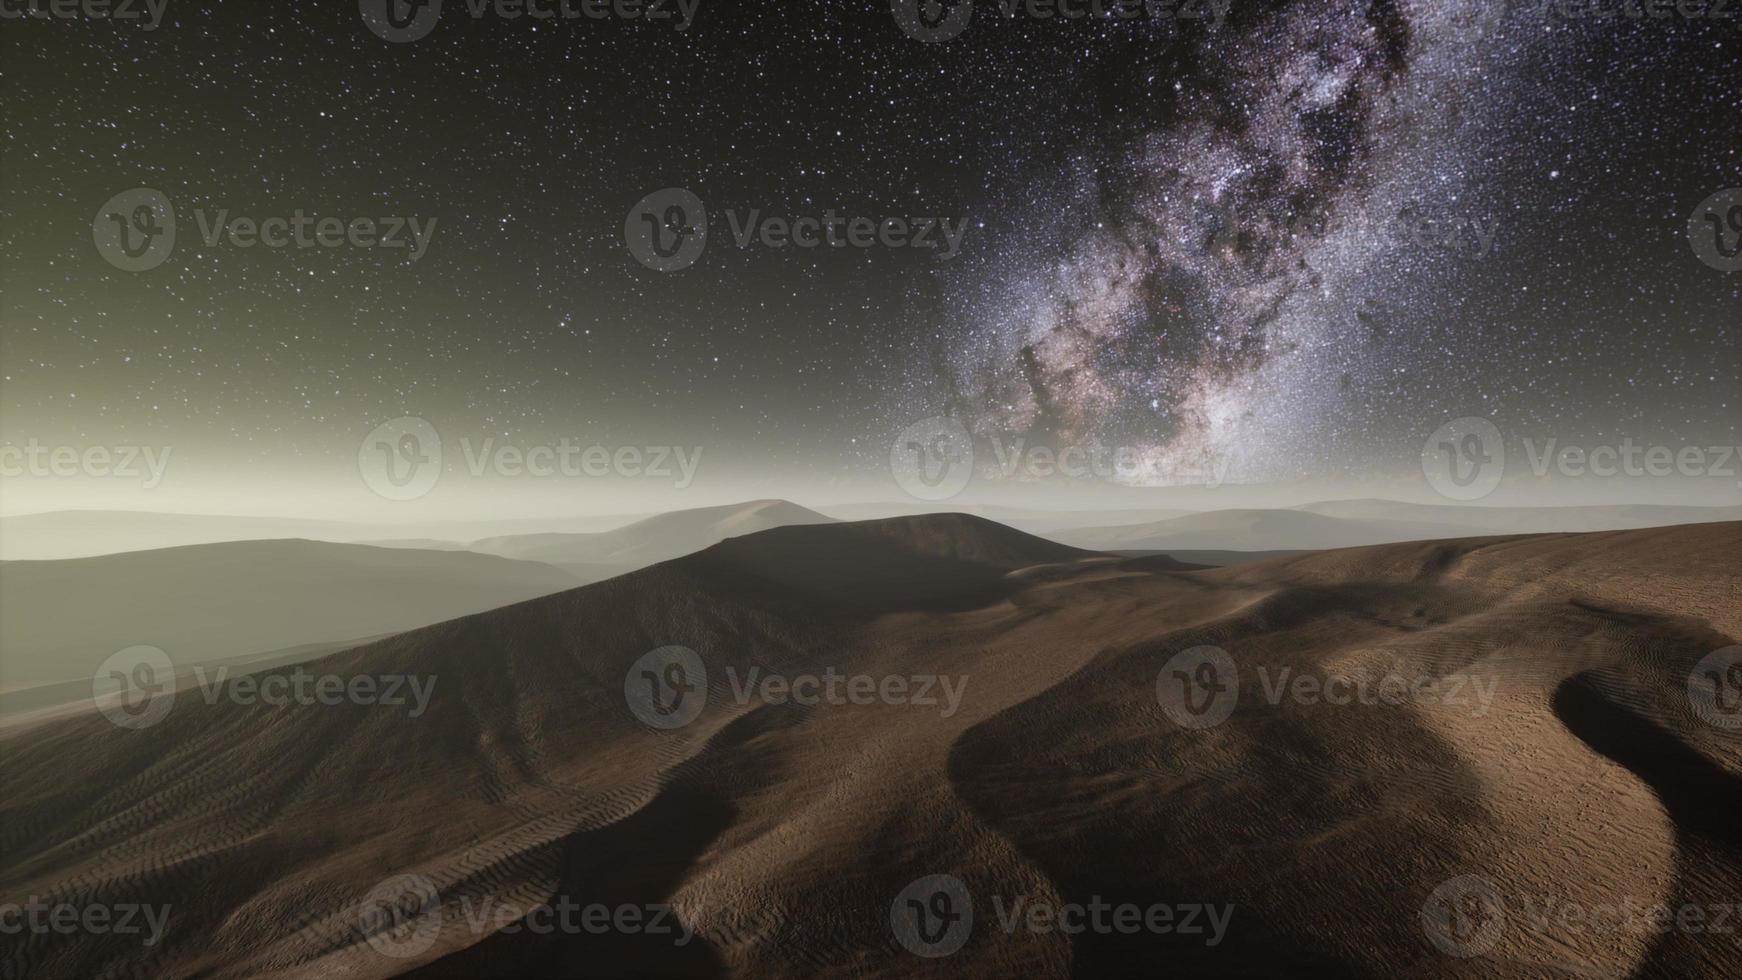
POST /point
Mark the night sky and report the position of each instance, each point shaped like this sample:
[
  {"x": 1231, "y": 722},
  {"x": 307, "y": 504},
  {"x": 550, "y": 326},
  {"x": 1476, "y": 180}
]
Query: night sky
[{"x": 1296, "y": 242}]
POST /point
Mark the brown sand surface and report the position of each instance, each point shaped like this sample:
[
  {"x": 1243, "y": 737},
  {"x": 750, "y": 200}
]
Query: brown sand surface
[{"x": 782, "y": 834}]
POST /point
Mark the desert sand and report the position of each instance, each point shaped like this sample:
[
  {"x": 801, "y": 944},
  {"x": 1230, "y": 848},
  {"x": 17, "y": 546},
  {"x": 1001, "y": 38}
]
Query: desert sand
[{"x": 1569, "y": 770}]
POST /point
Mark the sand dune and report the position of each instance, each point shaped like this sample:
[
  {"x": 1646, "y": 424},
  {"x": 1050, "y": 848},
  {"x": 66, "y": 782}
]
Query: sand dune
[{"x": 787, "y": 837}]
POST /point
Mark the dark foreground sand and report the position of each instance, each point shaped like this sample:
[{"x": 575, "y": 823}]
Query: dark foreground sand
[{"x": 1567, "y": 775}]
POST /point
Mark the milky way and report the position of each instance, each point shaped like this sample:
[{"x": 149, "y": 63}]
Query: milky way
[{"x": 1248, "y": 259}]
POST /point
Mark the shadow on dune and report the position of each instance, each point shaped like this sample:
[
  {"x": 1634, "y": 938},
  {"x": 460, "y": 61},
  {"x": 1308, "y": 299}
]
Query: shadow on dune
[
  {"x": 639, "y": 861},
  {"x": 636, "y": 862},
  {"x": 1703, "y": 801},
  {"x": 1267, "y": 814},
  {"x": 1251, "y": 954}
]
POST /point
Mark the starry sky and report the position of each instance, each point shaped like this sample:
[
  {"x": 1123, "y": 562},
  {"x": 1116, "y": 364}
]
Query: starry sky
[{"x": 1290, "y": 243}]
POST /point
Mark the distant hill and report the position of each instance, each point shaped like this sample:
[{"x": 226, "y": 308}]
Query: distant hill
[
  {"x": 204, "y": 602},
  {"x": 654, "y": 539},
  {"x": 1355, "y": 523},
  {"x": 1034, "y": 520},
  {"x": 1526, "y": 520},
  {"x": 84, "y": 533},
  {"x": 1254, "y": 530}
]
